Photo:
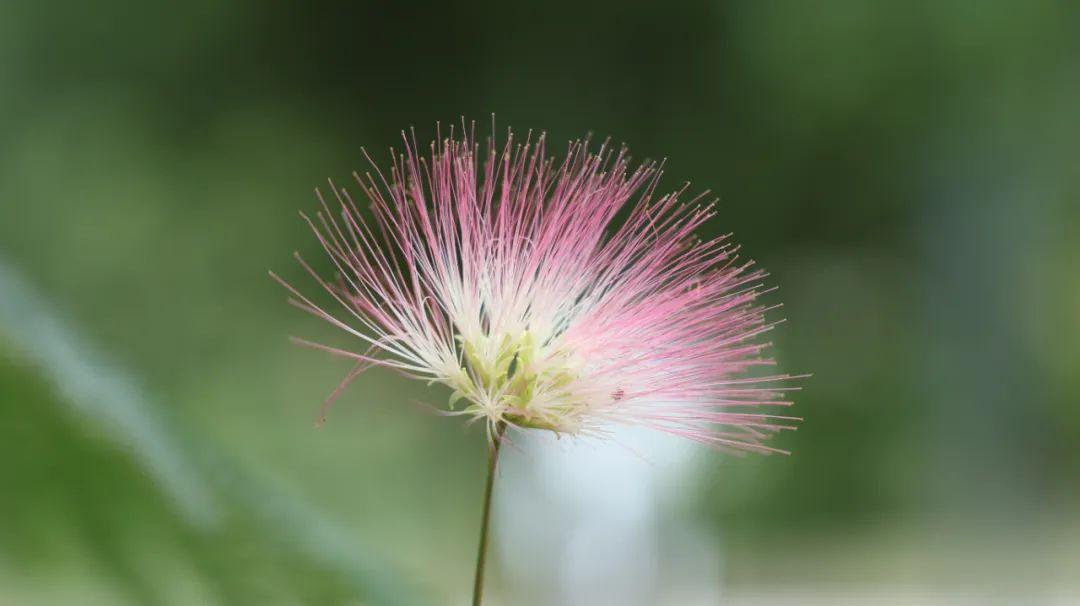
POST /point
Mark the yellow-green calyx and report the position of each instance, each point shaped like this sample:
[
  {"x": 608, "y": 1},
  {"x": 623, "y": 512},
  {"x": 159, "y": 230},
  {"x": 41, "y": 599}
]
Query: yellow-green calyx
[{"x": 510, "y": 377}]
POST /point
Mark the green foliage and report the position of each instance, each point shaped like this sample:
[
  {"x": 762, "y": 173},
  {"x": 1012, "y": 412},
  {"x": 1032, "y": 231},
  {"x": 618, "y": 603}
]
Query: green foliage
[{"x": 155, "y": 518}]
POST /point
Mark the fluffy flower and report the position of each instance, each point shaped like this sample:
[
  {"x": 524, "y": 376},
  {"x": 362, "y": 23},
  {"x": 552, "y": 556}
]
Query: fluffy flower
[{"x": 561, "y": 294}]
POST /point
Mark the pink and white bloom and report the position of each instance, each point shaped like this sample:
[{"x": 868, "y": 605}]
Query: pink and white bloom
[{"x": 562, "y": 294}]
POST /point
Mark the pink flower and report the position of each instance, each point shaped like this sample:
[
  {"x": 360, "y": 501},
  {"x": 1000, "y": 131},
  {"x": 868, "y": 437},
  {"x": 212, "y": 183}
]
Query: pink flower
[{"x": 561, "y": 294}]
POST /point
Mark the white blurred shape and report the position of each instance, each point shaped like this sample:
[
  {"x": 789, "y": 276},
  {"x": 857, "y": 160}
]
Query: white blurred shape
[{"x": 589, "y": 522}]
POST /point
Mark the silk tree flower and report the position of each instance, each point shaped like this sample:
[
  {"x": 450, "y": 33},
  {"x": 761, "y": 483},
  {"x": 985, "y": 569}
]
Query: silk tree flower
[{"x": 554, "y": 294}]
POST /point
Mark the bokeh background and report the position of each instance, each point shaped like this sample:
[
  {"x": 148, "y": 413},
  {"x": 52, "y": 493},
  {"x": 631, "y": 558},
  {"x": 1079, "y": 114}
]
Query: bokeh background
[{"x": 907, "y": 171}]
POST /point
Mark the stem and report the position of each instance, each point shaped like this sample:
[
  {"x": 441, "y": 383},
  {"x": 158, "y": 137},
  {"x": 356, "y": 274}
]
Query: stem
[{"x": 481, "y": 553}]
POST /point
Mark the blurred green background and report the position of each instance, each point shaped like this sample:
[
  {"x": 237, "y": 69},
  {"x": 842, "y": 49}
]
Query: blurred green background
[{"x": 906, "y": 171}]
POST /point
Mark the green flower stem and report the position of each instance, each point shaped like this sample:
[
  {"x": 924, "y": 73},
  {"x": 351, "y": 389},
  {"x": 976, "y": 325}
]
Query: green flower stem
[{"x": 481, "y": 554}]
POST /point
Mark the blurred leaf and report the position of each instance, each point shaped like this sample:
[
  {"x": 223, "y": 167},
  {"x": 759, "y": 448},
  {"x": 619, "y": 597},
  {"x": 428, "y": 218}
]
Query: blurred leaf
[{"x": 100, "y": 480}]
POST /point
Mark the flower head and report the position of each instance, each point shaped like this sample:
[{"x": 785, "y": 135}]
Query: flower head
[{"x": 561, "y": 294}]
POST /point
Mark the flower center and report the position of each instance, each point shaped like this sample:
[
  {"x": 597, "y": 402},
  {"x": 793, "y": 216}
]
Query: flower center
[{"x": 514, "y": 378}]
